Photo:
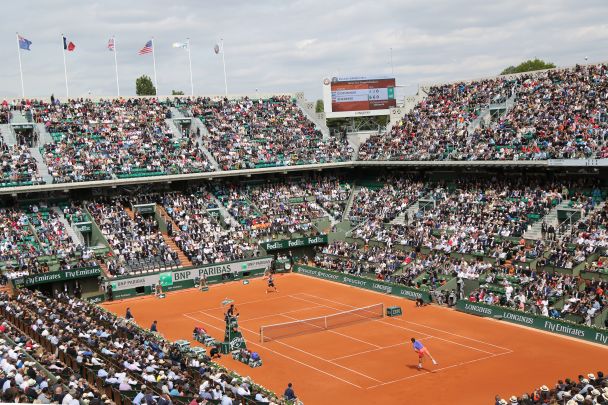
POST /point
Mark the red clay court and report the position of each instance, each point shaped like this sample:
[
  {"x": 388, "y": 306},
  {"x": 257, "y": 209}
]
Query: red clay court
[{"x": 371, "y": 362}]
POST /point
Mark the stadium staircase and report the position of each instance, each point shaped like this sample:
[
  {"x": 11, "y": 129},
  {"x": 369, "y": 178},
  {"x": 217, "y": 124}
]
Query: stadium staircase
[
  {"x": 196, "y": 123},
  {"x": 349, "y": 203},
  {"x": 227, "y": 217},
  {"x": 43, "y": 135},
  {"x": 7, "y": 134},
  {"x": 104, "y": 270},
  {"x": 176, "y": 113},
  {"x": 410, "y": 211},
  {"x": 76, "y": 237},
  {"x": 176, "y": 132},
  {"x": 129, "y": 212},
  {"x": 308, "y": 109},
  {"x": 18, "y": 118},
  {"x": 534, "y": 232},
  {"x": 183, "y": 259},
  {"x": 41, "y": 166}
]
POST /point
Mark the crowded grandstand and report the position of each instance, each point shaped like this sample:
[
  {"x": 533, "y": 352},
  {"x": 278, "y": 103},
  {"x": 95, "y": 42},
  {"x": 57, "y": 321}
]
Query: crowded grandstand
[{"x": 486, "y": 194}]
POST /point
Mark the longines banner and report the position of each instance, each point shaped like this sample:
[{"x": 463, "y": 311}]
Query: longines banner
[
  {"x": 293, "y": 243},
  {"x": 363, "y": 282},
  {"x": 168, "y": 278},
  {"x": 534, "y": 321}
]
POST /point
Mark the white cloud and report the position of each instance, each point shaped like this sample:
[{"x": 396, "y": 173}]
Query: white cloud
[{"x": 286, "y": 46}]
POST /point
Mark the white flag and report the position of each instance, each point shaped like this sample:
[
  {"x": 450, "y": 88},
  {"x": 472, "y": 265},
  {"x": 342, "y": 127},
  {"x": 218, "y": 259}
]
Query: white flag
[{"x": 180, "y": 45}]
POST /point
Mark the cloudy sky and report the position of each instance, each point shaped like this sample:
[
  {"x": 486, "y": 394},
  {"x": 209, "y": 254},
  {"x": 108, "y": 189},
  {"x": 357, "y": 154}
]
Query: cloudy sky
[{"x": 288, "y": 46}]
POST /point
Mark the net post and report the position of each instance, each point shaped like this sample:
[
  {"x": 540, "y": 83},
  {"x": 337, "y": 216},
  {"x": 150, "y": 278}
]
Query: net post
[{"x": 382, "y": 312}]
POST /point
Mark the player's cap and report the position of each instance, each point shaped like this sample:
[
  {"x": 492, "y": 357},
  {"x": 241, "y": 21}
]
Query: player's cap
[
  {"x": 513, "y": 399},
  {"x": 591, "y": 376},
  {"x": 595, "y": 392},
  {"x": 544, "y": 388},
  {"x": 585, "y": 381},
  {"x": 579, "y": 398},
  {"x": 503, "y": 402}
]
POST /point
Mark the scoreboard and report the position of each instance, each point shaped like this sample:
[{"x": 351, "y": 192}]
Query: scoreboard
[{"x": 363, "y": 95}]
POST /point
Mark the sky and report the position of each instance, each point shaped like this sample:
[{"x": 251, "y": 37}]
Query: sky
[{"x": 279, "y": 46}]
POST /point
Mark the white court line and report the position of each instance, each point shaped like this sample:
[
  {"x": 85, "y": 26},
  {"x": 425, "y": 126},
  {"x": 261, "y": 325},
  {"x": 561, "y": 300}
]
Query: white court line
[
  {"x": 426, "y": 335},
  {"x": 303, "y": 351},
  {"x": 334, "y": 332},
  {"x": 280, "y": 354},
  {"x": 438, "y": 369},
  {"x": 397, "y": 326},
  {"x": 403, "y": 320},
  {"x": 239, "y": 304},
  {"x": 282, "y": 313}
]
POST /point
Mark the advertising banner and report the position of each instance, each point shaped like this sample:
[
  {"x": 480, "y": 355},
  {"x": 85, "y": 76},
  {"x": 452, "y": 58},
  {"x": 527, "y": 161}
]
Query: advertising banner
[{"x": 363, "y": 282}]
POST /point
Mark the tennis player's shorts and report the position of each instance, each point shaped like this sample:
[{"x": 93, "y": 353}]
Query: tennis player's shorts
[
  {"x": 422, "y": 352},
  {"x": 270, "y": 284}
]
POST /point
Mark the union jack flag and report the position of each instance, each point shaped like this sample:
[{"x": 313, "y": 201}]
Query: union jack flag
[
  {"x": 146, "y": 49},
  {"x": 111, "y": 44}
]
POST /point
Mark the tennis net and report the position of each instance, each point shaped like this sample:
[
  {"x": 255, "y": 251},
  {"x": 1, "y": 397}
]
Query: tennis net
[{"x": 282, "y": 330}]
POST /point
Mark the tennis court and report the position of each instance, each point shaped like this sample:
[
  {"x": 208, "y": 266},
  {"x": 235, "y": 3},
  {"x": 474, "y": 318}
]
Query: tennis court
[{"x": 370, "y": 360}]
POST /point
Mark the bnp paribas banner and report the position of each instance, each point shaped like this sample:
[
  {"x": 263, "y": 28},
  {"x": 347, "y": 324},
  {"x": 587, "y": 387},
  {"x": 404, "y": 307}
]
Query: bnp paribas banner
[
  {"x": 534, "y": 321},
  {"x": 167, "y": 279},
  {"x": 63, "y": 275},
  {"x": 293, "y": 243}
]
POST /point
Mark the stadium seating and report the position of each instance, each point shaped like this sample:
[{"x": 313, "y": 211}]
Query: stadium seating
[
  {"x": 35, "y": 241},
  {"x": 556, "y": 114},
  {"x": 114, "y": 138},
  {"x": 119, "y": 356},
  {"x": 585, "y": 389},
  {"x": 134, "y": 238},
  {"x": 200, "y": 235},
  {"x": 249, "y": 134},
  {"x": 32, "y": 371}
]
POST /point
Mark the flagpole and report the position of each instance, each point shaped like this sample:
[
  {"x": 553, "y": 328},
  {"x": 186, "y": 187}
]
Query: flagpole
[
  {"x": 20, "y": 67},
  {"x": 116, "y": 66},
  {"x": 154, "y": 62},
  {"x": 190, "y": 63},
  {"x": 224, "y": 63},
  {"x": 65, "y": 68}
]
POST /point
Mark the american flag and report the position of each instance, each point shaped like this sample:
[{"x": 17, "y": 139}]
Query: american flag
[
  {"x": 111, "y": 44},
  {"x": 146, "y": 49}
]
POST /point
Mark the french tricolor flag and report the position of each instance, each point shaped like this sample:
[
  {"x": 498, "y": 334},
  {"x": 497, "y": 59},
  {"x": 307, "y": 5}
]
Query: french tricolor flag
[{"x": 68, "y": 45}]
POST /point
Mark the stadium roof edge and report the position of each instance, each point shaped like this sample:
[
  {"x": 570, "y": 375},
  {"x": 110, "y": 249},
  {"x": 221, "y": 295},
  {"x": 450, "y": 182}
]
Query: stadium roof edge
[{"x": 582, "y": 163}]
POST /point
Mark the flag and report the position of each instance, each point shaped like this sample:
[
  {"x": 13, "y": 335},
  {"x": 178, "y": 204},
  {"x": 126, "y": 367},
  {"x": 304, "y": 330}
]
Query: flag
[
  {"x": 24, "y": 43},
  {"x": 216, "y": 48},
  {"x": 69, "y": 46},
  {"x": 111, "y": 44},
  {"x": 146, "y": 49},
  {"x": 180, "y": 45}
]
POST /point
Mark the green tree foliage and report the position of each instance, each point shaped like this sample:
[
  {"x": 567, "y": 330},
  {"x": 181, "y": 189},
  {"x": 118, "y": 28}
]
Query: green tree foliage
[
  {"x": 144, "y": 86},
  {"x": 319, "y": 106},
  {"x": 528, "y": 66},
  {"x": 177, "y": 93}
]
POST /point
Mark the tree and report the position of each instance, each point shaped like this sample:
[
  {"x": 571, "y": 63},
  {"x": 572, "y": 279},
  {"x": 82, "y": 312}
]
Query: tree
[
  {"x": 177, "y": 93},
  {"x": 319, "y": 107},
  {"x": 528, "y": 66},
  {"x": 144, "y": 86}
]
